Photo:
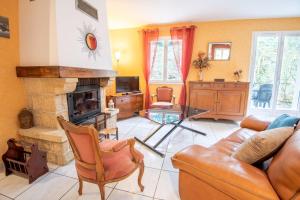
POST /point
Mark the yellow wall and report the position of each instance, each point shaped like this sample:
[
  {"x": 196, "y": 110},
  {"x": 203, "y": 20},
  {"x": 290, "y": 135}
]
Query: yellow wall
[
  {"x": 239, "y": 32},
  {"x": 12, "y": 96}
]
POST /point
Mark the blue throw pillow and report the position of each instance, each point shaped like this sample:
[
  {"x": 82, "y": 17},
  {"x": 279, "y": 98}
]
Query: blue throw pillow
[{"x": 284, "y": 121}]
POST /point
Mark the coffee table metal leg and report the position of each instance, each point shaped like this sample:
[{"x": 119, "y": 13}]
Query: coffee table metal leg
[
  {"x": 153, "y": 148},
  {"x": 176, "y": 125},
  {"x": 150, "y": 147},
  {"x": 190, "y": 129},
  {"x": 166, "y": 135},
  {"x": 148, "y": 137}
]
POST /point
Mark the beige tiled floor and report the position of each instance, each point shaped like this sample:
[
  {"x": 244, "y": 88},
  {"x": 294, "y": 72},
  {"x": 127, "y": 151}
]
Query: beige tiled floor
[{"x": 160, "y": 178}]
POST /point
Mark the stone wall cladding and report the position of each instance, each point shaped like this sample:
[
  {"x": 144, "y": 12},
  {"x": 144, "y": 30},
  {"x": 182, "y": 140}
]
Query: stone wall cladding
[{"x": 47, "y": 99}]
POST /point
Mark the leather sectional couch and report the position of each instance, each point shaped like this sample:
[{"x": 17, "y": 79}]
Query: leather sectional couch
[{"x": 211, "y": 173}]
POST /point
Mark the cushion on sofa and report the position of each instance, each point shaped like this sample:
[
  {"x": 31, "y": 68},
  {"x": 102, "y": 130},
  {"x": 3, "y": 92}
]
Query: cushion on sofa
[
  {"x": 284, "y": 121},
  {"x": 263, "y": 145},
  {"x": 254, "y": 123},
  {"x": 229, "y": 144}
]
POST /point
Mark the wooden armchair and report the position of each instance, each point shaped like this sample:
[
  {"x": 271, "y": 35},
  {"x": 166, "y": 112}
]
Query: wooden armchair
[
  {"x": 104, "y": 162},
  {"x": 164, "y": 97}
]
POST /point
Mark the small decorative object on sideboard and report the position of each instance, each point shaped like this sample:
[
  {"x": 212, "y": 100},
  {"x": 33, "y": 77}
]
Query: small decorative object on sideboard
[
  {"x": 25, "y": 119},
  {"x": 32, "y": 165},
  {"x": 201, "y": 63},
  {"x": 237, "y": 75},
  {"x": 111, "y": 105}
]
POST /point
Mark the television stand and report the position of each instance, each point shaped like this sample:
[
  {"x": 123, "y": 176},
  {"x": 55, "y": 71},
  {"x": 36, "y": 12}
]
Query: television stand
[{"x": 128, "y": 104}]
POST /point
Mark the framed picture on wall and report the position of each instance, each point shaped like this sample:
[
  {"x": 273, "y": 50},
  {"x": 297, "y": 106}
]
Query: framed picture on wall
[{"x": 4, "y": 27}]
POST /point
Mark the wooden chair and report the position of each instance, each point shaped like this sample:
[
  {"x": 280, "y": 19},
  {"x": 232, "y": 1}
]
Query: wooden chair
[
  {"x": 104, "y": 162},
  {"x": 101, "y": 126},
  {"x": 164, "y": 97}
]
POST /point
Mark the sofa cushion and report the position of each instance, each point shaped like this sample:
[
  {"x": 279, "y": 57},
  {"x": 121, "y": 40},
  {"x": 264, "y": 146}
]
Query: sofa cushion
[
  {"x": 283, "y": 171},
  {"x": 241, "y": 135},
  {"x": 232, "y": 142},
  {"x": 225, "y": 146},
  {"x": 284, "y": 121},
  {"x": 262, "y": 146},
  {"x": 254, "y": 123}
]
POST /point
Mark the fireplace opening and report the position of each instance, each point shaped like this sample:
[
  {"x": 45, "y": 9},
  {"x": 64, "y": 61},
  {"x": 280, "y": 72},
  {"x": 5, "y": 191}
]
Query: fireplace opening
[{"x": 85, "y": 102}]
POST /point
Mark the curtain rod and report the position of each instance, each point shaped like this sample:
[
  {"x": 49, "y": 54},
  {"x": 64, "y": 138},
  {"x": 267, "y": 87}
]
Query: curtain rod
[{"x": 174, "y": 28}]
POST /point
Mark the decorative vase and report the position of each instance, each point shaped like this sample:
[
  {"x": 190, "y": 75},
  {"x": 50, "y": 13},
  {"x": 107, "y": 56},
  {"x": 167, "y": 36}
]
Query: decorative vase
[
  {"x": 111, "y": 105},
  {"x": 201, "y": 75},
  {"x": 237, "y": 78}
]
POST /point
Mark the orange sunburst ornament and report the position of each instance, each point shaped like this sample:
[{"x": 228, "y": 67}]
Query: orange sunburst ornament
[{"x": 89, "y": 41}]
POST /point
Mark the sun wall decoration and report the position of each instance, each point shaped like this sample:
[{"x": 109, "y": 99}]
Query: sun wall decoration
[{"x": 89, "y": 40}]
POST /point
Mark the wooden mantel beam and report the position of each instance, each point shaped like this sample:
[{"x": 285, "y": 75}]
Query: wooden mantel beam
[{"x": 62, "y": 72}]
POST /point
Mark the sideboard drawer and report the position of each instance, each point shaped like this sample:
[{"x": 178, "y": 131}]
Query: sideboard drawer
[
  {"x": 122, "y": 100},
  {"x": 219, "y": 85},
  {"x": 236, "y": 86},
  {"x": 201, "y": 85}
]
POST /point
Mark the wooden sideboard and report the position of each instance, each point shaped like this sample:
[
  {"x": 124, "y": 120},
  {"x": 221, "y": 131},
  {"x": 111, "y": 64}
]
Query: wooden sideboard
[
  {"x": 128, "y": 104},
  {"x": 224, "y": 100}
]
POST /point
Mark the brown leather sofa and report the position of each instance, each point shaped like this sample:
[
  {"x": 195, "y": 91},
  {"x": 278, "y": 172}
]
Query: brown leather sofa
[{"x": 211, "y": 173}]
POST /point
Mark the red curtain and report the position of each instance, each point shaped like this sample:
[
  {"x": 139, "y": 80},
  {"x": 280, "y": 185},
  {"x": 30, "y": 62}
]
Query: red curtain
[
  {"x": 186, "y": 34},
  {"x": 148, "y": 37}
]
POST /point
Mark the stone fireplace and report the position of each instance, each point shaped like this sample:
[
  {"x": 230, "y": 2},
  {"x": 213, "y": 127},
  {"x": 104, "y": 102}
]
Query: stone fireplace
[
  {"x": 48, "y": 97},
  {"x": 55, "y": 60}
]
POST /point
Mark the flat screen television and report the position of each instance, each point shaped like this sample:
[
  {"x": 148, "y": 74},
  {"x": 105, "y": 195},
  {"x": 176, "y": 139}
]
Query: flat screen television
[{"x": 126, "y": 84}]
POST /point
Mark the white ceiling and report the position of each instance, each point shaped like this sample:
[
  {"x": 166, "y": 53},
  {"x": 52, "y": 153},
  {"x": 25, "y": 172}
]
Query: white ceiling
[{"x": 134, "y": 13}]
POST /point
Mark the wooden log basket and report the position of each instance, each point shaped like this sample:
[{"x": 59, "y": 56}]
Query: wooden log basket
[{"x": 30, "y": 164}]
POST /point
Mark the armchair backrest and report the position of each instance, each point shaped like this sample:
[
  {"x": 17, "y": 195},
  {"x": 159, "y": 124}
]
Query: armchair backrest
[
  {"x": 84, "y": 143},
  {"x": 164, "y": 94}
]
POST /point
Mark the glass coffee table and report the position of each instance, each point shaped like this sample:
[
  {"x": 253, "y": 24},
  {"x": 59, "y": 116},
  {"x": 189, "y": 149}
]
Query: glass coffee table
[{"x": 173, "y": 115}]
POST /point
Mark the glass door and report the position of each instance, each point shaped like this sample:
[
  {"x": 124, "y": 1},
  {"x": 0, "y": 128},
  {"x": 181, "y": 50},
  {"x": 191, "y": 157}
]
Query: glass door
[
  {"x": 275, "y": 73},
  {"x": 289, "y": 79}
]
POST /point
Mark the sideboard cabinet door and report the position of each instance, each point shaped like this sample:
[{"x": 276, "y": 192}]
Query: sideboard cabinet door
[
  {"x": 231, "y": 102},
  {"x": 204, "y": 99}
]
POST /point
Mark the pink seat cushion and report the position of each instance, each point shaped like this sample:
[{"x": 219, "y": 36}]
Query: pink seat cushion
[
  {"x": 116, "y": 165},
  {"x": 161, "y": 104}
]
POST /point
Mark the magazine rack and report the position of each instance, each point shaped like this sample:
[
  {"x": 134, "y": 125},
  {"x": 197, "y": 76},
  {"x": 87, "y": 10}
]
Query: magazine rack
[{"x": 30, "y": 164}]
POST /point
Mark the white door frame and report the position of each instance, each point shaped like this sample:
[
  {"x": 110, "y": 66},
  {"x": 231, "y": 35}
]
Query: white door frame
[{"x": 273, "y": 111}]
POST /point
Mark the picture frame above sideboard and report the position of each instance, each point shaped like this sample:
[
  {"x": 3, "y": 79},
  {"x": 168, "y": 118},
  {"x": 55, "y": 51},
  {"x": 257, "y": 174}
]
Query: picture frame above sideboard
[{"x": 219, "y": 51}]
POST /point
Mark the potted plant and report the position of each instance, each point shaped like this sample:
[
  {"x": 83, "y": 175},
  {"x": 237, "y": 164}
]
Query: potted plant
[
  {"x": 238, "y": 74},
  {"x": 201, "y": 63}
]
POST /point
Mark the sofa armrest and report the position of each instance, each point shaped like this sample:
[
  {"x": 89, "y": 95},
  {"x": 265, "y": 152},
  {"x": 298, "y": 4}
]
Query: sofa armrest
[
  {"x": 235, "y": 178},
  {"x": 254, "y": 123}
]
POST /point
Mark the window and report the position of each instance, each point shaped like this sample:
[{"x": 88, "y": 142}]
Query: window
[
  {"x": 275, "y": 71},
  {"x": 164, "y": 68},
  {"x": 221, "y": 53}
]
